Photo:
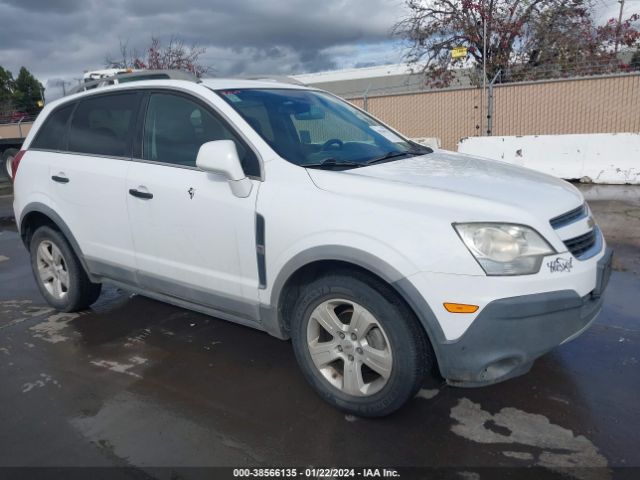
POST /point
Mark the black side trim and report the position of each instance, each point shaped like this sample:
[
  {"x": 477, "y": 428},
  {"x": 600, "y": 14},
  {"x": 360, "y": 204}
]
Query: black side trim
[
  {"x": 260, "y": 252},
  {"x": 214, "y": 312}
]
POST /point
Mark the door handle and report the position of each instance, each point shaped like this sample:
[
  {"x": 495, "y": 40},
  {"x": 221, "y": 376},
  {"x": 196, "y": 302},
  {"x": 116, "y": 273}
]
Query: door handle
[
  {"x": 59, "y": 179},
  {"x": 139, "y": 194}
]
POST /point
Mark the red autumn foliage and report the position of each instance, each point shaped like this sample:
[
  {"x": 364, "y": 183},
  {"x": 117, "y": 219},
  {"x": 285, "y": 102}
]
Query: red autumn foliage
[
  {"x": 175, "y": 55},
  {"x": 526, "y": 39}
]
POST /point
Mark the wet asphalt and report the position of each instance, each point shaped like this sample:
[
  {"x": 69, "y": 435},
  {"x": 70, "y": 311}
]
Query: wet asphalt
[{"x": 137, "y": 383}]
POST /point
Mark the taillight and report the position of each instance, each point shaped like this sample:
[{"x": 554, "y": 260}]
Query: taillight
[{"x": 15, "y": 163}]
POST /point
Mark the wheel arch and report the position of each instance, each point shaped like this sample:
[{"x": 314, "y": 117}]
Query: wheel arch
[
  {"x": 312, "y": 263},
  {"x": 38, "y": 214}
]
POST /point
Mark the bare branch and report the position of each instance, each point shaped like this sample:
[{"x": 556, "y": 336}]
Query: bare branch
[
  {"x": 175, "y": 55},
  {"x": 523, "y": 36}
]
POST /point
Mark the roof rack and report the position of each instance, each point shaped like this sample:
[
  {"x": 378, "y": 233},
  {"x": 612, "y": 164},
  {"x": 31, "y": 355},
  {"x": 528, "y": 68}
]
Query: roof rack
[{"x": 136, "y": 76}]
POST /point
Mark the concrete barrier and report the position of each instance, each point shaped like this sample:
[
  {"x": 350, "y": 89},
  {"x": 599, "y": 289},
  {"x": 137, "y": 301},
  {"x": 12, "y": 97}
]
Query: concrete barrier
[{"x": 612, "y": 158}]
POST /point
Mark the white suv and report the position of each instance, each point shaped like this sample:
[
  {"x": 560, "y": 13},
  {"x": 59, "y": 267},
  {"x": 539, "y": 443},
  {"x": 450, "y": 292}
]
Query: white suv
[{"x": 286, "y": 209}]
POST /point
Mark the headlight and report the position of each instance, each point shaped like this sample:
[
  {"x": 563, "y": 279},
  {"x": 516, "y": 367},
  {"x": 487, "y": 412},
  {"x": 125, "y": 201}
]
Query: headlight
[{"x": 504, "y": 249}]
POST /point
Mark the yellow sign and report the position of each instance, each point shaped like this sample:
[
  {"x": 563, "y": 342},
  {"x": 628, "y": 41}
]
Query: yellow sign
[
  {"x": 40, "y": 103},
  {"x": 459, "y": 52}
]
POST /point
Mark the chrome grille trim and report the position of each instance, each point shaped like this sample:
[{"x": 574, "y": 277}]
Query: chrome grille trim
[
  {"x": 586, "y": 245},
  {"x": 569, "y": 217}
]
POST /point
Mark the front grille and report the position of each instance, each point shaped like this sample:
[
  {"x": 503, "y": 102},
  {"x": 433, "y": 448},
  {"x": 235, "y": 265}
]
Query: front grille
[
  {"x": 569, "y": 217},
  {"x": 581, "y": 244}
]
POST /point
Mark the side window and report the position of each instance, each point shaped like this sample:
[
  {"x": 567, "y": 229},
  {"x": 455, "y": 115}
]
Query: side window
[
  {"x": 53, "y": 133},
  {"x": 104, "y": 125},
  {"x": 175, "y": 128}
]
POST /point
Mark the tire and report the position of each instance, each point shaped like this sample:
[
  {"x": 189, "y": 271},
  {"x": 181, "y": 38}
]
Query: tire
[
  {"x": 7, "y": 158},
  {"x": 386, "y": 336},
  {"x": 59, "y": 274}
]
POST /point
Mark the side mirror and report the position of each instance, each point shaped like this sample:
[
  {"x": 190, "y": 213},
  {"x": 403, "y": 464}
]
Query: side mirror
[{"x": 221, "y": 157}]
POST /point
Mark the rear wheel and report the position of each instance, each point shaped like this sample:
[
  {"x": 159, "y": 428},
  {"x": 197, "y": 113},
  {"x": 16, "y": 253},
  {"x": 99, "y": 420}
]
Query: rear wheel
[
  {"x": 7, "y": 159},
  {"x": 59, "y": 274},
  {"x": 358, "y": 345}
]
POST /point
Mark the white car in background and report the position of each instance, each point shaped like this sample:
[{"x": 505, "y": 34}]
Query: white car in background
[{"x": 288, "y": 210}]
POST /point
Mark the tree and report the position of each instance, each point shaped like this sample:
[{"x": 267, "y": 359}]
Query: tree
[
  {"x": 6, "y": 91},
  {"x": 524, "y": 38},
  {"x": 28, "y": 92},
  {"x": 175, "y": 55}
]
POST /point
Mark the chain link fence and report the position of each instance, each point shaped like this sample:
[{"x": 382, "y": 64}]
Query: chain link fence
[{"x": 607, "y": 103}]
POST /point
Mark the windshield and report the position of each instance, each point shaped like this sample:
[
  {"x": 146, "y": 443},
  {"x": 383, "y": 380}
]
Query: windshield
[{"x": 317, "y": 130}]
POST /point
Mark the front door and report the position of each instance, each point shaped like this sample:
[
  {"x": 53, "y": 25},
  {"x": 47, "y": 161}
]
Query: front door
[{"x": 194, "y": 239}]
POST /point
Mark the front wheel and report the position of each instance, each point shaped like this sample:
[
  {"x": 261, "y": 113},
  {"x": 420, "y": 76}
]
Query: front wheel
[{"x": 358, "y": 344}]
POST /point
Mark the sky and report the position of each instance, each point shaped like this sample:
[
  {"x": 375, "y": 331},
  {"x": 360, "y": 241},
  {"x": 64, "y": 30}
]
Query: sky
[
  {"x": 63, "y": 38},
  {"x": 60, "y": 39}
]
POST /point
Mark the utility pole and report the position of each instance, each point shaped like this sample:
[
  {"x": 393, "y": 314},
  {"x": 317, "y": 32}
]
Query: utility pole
[
  {"x": 484, "y": 64},
  {"x": 621, "y": 2},
  {"x": 365, "y": 99},
  {"x": 490, "y": 103}
]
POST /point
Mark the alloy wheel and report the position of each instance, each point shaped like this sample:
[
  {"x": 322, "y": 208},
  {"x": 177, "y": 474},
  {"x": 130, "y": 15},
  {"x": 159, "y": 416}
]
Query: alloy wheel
[
  {"x": 349, "y": 347},
  {"x": 52, "y": 270}
]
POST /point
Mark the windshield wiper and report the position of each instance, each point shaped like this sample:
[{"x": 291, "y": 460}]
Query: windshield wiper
[
  {"x": 391, "y": 155},
  {"x": 332, "y": 162}
]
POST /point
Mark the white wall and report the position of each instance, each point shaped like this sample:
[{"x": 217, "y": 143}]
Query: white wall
[{"x": 599, "y": 158}]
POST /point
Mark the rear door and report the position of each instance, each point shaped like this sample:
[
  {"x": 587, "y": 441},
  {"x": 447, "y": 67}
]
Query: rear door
[
  {"x": 88, "y": 180},
  {"x": 194, "y": 239}
]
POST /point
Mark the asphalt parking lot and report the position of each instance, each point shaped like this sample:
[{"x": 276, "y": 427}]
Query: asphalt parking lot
[{"x": 138, "y": 383}]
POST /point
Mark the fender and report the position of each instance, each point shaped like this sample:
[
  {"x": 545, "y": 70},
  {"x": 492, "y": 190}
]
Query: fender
[
  {"x": 341, "y": 253},
  {"x": 62, "y": 226},
  {"x": 270, "y": 314}
]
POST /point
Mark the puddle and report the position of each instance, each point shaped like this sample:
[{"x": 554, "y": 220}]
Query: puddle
[
  {"x": 557, "y": 448},
  {"x": 51, "y": 330},
  {"x": 121, "y": 367}
]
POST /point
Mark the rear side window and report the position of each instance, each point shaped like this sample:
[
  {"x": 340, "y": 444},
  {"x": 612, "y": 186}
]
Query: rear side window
[
  {"x": 104, "y": 125},
  {"x": 52, "y": 135},
  {"x": 175, "y": 128}
]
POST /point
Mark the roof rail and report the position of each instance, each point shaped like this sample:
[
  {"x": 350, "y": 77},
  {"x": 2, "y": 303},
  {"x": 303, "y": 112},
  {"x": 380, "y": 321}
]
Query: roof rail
[
  {"x": 274, "y": 78},
  {"x": 136, "y": 76}
]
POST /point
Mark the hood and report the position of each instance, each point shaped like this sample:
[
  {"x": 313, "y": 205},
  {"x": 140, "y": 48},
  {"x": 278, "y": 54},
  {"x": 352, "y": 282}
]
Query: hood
[{"x": 449, "y": 173}]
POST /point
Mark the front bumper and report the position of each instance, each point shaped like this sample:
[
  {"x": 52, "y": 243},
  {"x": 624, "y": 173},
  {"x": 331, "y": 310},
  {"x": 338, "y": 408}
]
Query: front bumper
[{"x": 510, "y": 333}]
